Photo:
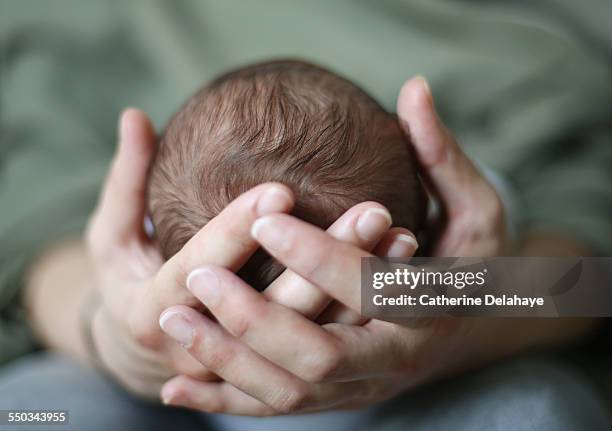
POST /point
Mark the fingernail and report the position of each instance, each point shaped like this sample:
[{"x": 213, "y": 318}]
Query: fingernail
[
  {"x": 373, "y": 223},
  {"x": 121, "y": 125},
  {"x": 177, "y": 326},
  {"x": 125, "y": 126},
  {"x": 171, "y": 395},
  {"x": 268, "y": 233},
  {"x": 426, "y": 88},
  {"x": 204, "y": 284},
  {"x": 273, "y": 200},
  {"x": 425, "y": 84},
  {"x": 166, "y": 395},
  {"x": 402, "y": 246}
]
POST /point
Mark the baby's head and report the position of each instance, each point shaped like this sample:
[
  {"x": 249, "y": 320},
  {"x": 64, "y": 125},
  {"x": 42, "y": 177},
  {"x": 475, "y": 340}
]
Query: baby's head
[{"x": 285, "y": 121}]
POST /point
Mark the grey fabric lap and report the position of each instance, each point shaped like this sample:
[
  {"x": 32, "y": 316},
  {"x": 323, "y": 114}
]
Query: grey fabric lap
[{"x": 522, "y": 394}]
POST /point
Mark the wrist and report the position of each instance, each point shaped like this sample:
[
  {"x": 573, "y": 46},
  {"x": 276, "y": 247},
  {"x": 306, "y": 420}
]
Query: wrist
[{"x": 54, "y": 288}]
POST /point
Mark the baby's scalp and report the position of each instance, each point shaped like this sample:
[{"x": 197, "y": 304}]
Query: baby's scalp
[{"x": 287, "y": 121}]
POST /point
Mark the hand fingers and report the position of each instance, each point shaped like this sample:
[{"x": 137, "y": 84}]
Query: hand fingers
[
  {"x": 448, "y": 170},
  {"x": 334, "y": 266},
  {"x": 181, "y": 362},
  {"x": 223, "y": 398},
  {"x": 362, "y": 352},
  {"x": 365, "y": 350},
  {"x": 362, "y": 225},
  {"x": 122, "y": 204},
  {"x": 397, "y": 242},
  {"x": 234, "y": 361},
  {"x": 251, "y": 318},
  {"x": 224, "y": 241}
]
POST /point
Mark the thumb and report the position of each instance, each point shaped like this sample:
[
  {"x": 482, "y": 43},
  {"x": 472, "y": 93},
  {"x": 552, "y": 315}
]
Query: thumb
[
  {"x": 122, "y": 206},
  {"x": 450, "y": 173}
]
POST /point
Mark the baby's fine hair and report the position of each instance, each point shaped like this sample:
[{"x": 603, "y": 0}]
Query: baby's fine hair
[{"x": 286, "y": 121}]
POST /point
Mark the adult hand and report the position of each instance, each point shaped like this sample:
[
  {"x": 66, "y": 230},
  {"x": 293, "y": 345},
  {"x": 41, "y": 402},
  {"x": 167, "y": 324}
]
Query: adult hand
[
  {"x": 274, "y": 360},
  {"x": 136, "y": 286},
  {"x": 132, "y": 279},
  {"x": 254, "y": 345},
  {"x": 472, "y": 222}
]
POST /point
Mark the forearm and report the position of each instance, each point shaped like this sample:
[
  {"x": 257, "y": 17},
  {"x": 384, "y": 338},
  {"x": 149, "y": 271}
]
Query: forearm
[
  {"x": 552, "y": 331},
  {"x": 482, "y": 340},
  {"x": 556, "y": 331},
  {"x": 512, "y": 335},
  {"x": 55, "y": 288}
]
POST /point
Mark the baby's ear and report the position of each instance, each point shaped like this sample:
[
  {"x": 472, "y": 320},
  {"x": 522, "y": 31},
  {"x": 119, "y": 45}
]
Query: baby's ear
[
  {"x": 148, "y": 226},
  {"x": 149, "y": 230}
]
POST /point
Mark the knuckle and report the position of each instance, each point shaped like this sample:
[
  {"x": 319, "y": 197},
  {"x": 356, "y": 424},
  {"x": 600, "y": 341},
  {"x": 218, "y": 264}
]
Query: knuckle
[
  {"x": 144, "y": 334},
  {"x": 169, "y": 287},
  {"x": 289, "y": 400},
  {"x": 191, "y": 367},
  {"x": 215, "y": 359},
  {"x": 176, "y": 294},
  {"x": 175, "y": 271},
  {"x": 217, "y": 405},
  {"x": 314, "y": 262},
  {"x": 235, "y": 233},
  {"x": 242, "y": 326},
  {"x": 326, "y": 364}
]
